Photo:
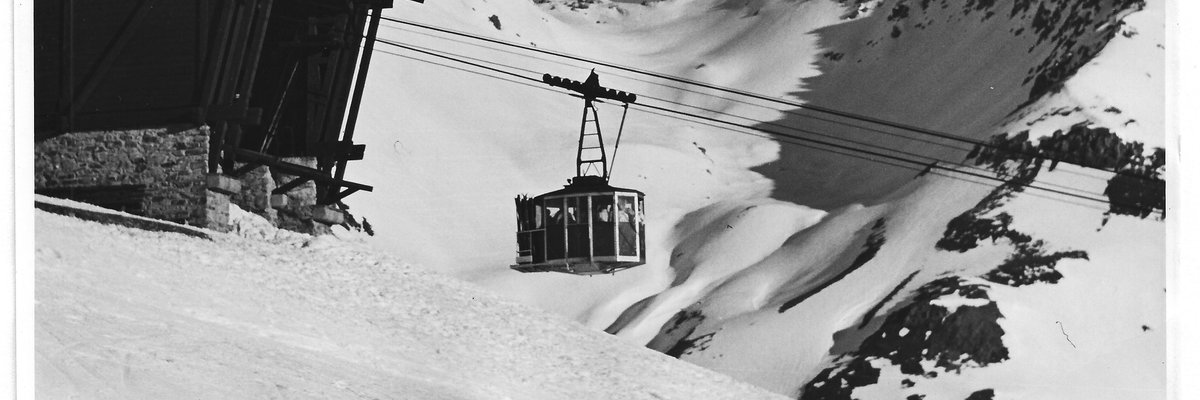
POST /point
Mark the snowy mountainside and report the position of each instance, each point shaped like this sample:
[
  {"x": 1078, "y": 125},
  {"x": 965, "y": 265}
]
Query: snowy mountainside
[
  {"x": 833, "y": 295},
  {"x": 125, "y": 313},
  {"x": 1122, "y": 89},
  {"x": 810, "y": 274},
  {"x": 956, "y": 67},
  {"x": 843, "y": 349},
  {"x": 455, "y": 147}
]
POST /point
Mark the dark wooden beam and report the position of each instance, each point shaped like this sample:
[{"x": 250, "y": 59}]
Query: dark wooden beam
[
  {"x": 216, "y": 53},
  {"x": 230, "y": 68},
  {"x": 360, "y": 83},
  {"x": 249, "y": 72},
  {"x": 324, "y": 69},
  {"x": 212, "y": 76},
  {"x": 341, "y": 195},
  {"x": 229, "y": 74},
  {"x": 343, "y": 150},
  {"x": 343, "y": 73},
  {"x": 237, "y": 173},
  {"x": 262, "y": 13},
  {"x": 112, "y": 52},
  {"x": 315, "y": 41},
  {"x": 285, "y": 167},
  {"x": 277, "y": 114},
  {"x": 203, "y": 8},
  {"x": 287, "y": 187},
  {"x": 67, "y": 66},
  {"x": 341, "y": 78},
  {"x": 239, "y": 113},
  {"x": 361, "y": 80}
]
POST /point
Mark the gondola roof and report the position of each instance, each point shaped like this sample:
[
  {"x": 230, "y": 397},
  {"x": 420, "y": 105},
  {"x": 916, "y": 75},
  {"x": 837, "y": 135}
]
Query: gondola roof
[{"x": 588, "y": 184}]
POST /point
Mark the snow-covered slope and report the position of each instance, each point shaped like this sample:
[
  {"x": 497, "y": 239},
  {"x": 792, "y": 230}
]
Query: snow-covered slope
[
  {"x": 124, "y": 313},
  {"x": 834, "y": 292}
]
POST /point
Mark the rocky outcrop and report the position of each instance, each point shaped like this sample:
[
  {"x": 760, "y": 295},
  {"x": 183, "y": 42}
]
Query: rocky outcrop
[{"x": 949, "y": 324}]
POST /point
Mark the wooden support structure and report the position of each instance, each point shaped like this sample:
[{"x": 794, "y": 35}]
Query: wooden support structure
[
  {"x": 287, "y": 187},
  {"x": 244, "y": 80},
  {"x": 111, "y": 53},
  {"x": 356, "y": 100},
  {"x": 66, "y": 62},
  {"x": 342, "y": 151},
  {"x": 269, "y": 78},
  {"x": 303, "y": 174}
]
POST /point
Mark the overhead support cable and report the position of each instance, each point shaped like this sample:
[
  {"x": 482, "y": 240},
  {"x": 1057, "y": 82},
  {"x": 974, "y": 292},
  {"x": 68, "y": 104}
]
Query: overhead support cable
[
  {"x": 716, "y": 96},
  {"x": 679, "y": 88},
  {"x": 787, "y": 141},
  {"x": 758, "y": 96},
  {"x": 928, "y": 159},
  {"x": 874, "y": 155}
]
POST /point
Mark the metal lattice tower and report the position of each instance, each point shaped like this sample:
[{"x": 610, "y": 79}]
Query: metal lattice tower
[{"x": 591, "y": 158}]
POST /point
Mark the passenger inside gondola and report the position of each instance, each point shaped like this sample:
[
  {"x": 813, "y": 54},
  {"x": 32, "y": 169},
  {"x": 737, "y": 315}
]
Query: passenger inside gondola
[
  {"x": 555, "y": 242},
  {"x": 604, "y": 233},
  {"x": 626, "y": 220},
  {"x": 603, "y": 213},
  {"x": 578, "y": 242}
]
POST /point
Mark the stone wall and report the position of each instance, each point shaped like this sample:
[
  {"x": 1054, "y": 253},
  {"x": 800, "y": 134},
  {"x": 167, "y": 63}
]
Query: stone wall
[
  {"x": 170, "y": 163},
  {"x": 164, "y": 171}
]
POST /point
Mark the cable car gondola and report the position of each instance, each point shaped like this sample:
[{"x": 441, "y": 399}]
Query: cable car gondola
[{"x": 588, "y": 227}]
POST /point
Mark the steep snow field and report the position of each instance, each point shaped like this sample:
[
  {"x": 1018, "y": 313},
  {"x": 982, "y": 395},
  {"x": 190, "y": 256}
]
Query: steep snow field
[{"x": 124, "y": 313}]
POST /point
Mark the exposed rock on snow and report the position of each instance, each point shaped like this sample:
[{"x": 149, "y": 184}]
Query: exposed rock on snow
[
  {"x": 1137, "y": 187},
  {"x": 1029, "y": 262},
  {"x": 985, "y": 394},
  {"x": 949, "y": 322}
]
